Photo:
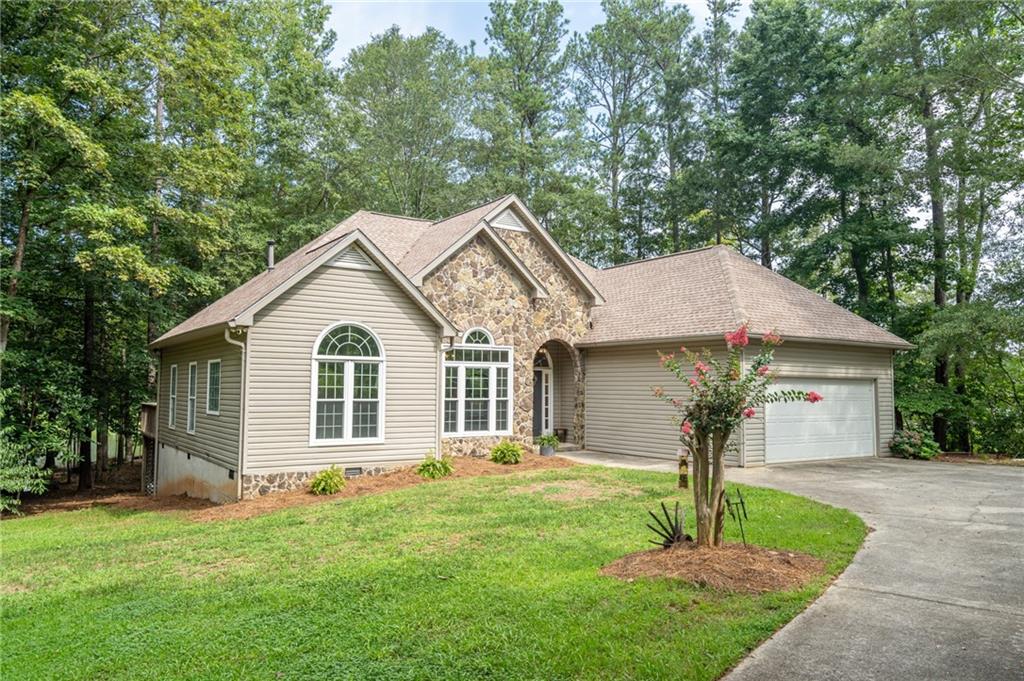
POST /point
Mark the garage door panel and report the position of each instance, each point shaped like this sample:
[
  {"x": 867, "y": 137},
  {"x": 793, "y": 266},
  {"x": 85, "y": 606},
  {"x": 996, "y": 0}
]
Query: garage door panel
[{"x": 842, "y": 425}]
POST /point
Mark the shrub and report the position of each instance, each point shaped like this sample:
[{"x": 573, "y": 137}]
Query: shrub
[
  {"x": 506, "y": 452},
  {"x": 913, "y": 444},
  {"x": 547, "y": 441},
  {"x": 328, "y": 481},
  {"x": 434, "y": 467}
]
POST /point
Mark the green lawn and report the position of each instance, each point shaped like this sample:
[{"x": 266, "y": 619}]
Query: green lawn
[{"x": 491, "y": 577}]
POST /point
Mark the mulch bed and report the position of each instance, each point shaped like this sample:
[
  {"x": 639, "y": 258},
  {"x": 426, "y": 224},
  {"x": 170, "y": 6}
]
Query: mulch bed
[
  {"x": 464, "y": 467},
  {"x": 991, "y": 459},
  {"x": 120, "y": 491},
  {"x": 732, "y": 567}
]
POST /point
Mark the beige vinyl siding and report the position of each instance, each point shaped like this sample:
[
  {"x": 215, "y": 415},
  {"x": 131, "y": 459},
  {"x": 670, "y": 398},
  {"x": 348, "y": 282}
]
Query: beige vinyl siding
[
  {"x": 216, "y": 436},
  {"x": 280, "y": 351},
  {"x": 808, "y": 360},
  {"x": 622, "y": 416}
]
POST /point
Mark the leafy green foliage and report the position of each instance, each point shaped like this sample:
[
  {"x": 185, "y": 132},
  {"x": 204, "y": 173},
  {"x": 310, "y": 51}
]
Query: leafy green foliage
[
  {"x": 913, "y": 444},
  {"x": 507, "y": 452},
  {"x": 434, "y": 467},
  {"x": 547, "y": 441},
  {"x": 328, "y": 481}
]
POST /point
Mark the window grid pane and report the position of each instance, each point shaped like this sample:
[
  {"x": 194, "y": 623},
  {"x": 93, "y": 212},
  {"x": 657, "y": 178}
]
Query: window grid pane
[
  {"x": 364, "y": 418},
  {"x": 477, "y": 415},
  {"x": 501, "y": 415},
  {"x": 365, "y": 381},
  {"x": 330, "y": 420},
  {"x": 213, "y": 387},
  {"x": 477, "y": 379},
  {"x": 331, "y": 380},
  {"x": 349, "y": 341},
  {"x": 451, "y": 416}
]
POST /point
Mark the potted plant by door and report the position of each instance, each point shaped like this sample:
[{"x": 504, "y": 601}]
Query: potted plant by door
[{"x": 547, "y": 443}]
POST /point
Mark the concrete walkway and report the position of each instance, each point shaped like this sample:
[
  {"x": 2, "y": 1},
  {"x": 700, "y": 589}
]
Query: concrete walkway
[{"x": 937, "y": 591}]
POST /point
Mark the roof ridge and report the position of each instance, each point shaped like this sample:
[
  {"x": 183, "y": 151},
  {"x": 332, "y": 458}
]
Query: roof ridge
[
  {"x": 394, "y": 215},
  {"x": 730, "y": 285},
  {"x": 656, "y": 257},
  {"x": 463, "y": 212}
]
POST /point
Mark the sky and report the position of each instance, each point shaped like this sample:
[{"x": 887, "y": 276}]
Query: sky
[{"x": 355, "y": 21}]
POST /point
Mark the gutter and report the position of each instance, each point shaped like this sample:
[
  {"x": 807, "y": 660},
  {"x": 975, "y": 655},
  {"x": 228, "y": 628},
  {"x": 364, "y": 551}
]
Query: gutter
[{"x": 244, "y": 379}]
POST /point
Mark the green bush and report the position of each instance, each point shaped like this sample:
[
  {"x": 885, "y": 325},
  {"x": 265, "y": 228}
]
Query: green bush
[
  {"x": 913, "y": 444},
  {"x": 328, "y": 481},
  {"x": 506, "y": 452},
  {"x": 547, "y": 441},
  {"x": 434, "y": 467}
]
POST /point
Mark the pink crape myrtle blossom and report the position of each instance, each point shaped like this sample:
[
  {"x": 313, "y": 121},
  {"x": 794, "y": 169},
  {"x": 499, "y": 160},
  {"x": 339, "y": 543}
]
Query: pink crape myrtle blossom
[
  {"x": 813, "y": 397},
  {"x": 763, "y": 371},
  {"x": 771, "y": 338},
  {"x": 738, "y": 338},
  {"x": 686, "y": 428},
  {"x": 749, "y": 412}
]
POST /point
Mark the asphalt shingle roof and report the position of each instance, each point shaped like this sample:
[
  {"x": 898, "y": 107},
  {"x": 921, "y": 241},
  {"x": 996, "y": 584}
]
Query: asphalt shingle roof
[
  {"x": 709, "y": 291},
  {"x": 694, "y": 294}
]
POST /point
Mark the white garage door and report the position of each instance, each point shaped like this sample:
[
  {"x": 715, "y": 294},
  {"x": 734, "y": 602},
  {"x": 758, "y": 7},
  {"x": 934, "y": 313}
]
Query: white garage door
[{"x": 841, "y": 425}]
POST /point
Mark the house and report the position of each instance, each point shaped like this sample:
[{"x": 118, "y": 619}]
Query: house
[{"x": 389, "y": 337}]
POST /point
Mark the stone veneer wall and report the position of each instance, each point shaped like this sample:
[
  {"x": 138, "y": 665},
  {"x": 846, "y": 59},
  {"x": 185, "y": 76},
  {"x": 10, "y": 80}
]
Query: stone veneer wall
[
  {"x": 254, "y": 486},
  {"x": 477, "y": 287}
]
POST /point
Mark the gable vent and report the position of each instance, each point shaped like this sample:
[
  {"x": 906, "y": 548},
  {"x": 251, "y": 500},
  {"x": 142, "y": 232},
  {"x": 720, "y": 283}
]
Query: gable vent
[
  {"x": 353, "y": 258},
  {"x": 508, "y": 220}
]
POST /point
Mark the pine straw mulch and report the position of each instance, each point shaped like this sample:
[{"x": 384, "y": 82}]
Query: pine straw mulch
[
  {"x": 121, "y": 494},
  {"x": 732, "y": 567},
  {"x": 983, "y": 459}
]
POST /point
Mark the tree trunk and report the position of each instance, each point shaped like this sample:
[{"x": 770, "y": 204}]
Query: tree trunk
[
  {"x": 17, "y": 263},
  {"x": 718, "y": 486},
  {"x": 102, "y": 453},
  {"x": 700, "y": 493},
  {"x": 766, "y": 240},
  {"x": 933, "y": 170},
  {"x": 88, "y": 360}
]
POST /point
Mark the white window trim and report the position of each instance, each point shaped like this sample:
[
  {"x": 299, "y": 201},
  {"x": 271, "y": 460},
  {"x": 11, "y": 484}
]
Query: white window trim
[
  {"x": 220, "y": 380},
  {"x": 172, "y": 397},
  {"x": 492, "y": 383},
  {"x": 192, "y": 396},
  {"x": 349, "y": 362}
]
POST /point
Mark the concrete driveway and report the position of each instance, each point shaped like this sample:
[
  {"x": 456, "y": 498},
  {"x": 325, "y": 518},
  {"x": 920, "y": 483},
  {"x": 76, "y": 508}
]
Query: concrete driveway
[{"x": 937, "y": 591}]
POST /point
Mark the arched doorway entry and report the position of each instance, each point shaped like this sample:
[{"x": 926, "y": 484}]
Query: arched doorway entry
[{"x": 555, "y": 390}]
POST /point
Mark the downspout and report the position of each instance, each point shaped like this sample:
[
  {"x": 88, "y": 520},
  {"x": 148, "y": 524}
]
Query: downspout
[
  {"x": 156, "y": 430},
  {"x": 241, "y": 405},
  {"x": 439, "y": 412}
]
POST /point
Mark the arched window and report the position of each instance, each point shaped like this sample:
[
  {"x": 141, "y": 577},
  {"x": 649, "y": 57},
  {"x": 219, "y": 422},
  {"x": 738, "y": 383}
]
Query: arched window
[
  {"x": 347, "y": 390},
  {"x": 477, "y": 387},
  {"x": 478, "y": 337}
]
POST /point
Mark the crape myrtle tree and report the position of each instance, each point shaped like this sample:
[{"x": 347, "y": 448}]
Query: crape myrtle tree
[{"x": 721, "y": 396}]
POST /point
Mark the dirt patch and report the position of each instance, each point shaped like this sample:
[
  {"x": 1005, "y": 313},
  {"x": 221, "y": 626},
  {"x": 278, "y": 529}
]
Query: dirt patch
[
  {"x": 574, "y": 490},
  {"x": 733, "y": 567},
  {"x": 118, "y": 488},
  {"x": 464, "y": 467},
  {"x": 983, "y": 459}
]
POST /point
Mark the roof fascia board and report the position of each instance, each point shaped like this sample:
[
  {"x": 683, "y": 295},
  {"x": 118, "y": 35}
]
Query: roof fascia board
[
  {"x": 246, "y": 317},
  {"x": 210, "y": 330},
  {"x": 535, "y": 227},
  {"x": 720, "y": 338},
  {"x": 484, "y": 228}
]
